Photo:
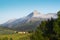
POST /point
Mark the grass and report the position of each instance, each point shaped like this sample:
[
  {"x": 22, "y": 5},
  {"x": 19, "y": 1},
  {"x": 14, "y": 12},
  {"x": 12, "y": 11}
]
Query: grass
[{"x": 16, "y": 36}]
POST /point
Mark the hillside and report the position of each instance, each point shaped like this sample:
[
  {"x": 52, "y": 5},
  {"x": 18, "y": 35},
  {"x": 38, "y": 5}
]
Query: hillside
[{"x": 4, "y": 30}]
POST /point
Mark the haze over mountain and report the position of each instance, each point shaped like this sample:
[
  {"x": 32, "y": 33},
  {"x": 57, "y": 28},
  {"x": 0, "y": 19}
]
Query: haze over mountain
[{"x": 29, "y": 22}]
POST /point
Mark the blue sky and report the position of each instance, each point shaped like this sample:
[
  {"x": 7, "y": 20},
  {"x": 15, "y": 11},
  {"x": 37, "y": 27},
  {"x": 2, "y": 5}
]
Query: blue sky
[{"x": 11, "y": 9}]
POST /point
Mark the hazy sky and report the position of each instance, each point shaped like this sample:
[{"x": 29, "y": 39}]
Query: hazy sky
[{"x": 11, "y": 9}]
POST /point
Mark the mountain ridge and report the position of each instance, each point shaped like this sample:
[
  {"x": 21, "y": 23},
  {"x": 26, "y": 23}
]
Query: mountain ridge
[{"x": 29, "y": 22}]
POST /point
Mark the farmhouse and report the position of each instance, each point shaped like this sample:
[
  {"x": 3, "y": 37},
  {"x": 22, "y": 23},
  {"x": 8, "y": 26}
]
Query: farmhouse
[{"x": 21, "y": 32}]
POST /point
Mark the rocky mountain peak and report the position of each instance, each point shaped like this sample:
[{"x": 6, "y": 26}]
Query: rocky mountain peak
[{"x": 35, "y": 12}]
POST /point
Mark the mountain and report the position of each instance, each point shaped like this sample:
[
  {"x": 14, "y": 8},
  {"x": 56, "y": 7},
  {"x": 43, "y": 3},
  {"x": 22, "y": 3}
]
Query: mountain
[
  {"x": 9, "y": 22},
  {"x": 29, "y": 22}
]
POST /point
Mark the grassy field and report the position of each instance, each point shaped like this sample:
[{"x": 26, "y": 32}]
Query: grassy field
[
  {"x": 15, "y": 37},
  {"x": 7, "y": 34}
]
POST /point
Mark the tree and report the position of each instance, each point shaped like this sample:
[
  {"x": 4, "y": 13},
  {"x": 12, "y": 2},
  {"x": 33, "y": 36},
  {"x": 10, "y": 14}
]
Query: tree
[
  {"x": 58, "y": 13},
  {"x": 58, "y": 20},
  {"x": 38, "y": 34},
  {"x": 58, "y": 23},
  {"x": 45, "y": 31}
]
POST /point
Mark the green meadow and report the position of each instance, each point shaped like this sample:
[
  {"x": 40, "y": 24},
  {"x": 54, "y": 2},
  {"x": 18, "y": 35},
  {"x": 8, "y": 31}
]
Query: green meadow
[{"x": 15, "y": 37}]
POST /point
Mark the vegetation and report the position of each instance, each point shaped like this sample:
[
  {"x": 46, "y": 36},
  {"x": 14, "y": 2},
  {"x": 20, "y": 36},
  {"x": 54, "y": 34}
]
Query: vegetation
[
  {"x": 15, "y": 37},
  {"x": 48, "y": 30},
  {"x": 6, "y": 31},
  {"x": 7, "y": 34}
]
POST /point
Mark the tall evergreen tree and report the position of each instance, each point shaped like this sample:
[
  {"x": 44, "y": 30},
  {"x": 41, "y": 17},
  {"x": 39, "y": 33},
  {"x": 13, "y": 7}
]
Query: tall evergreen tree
[
  {"x": 58, "y": 22},
  {"x": 58, "y": 18}
]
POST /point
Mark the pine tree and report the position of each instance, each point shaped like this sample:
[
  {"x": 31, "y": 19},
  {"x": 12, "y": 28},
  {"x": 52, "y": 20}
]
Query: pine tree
[
  {"x": 58, "y": 22},
  {"x": 38, "y": 34},
  {"x": 58, "y": 13},
  {"x": 45, "y": 31}
]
